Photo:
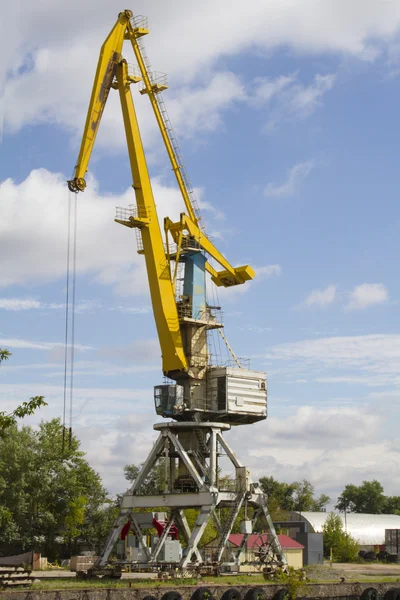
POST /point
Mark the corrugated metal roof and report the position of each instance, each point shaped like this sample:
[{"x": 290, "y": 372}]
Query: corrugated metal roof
[
  {"x": 256, "y": 539},
  {"x": 368, "y": 530}
]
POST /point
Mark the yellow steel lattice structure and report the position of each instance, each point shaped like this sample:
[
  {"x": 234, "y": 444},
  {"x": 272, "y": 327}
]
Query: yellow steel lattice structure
[{"x": 113, "y": 73}]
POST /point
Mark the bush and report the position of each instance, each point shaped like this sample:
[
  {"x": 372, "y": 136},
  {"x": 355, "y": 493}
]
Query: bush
[
  {"x": 347, "y": 549},
  {"x": 344, "y": 547}
]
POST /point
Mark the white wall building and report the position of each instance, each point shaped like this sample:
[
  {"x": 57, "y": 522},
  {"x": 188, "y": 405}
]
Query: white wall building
[{"x": 368, "y": 530}]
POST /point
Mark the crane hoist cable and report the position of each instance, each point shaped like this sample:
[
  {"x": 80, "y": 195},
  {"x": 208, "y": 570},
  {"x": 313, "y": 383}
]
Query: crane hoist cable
[{"x": 70, "y": 301}]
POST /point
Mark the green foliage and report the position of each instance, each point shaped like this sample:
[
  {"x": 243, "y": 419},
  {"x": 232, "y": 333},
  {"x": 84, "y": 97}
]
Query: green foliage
[
  {"x": 293, "y": 579},
  {"x": 7, "y": 420},
  {"x": 344, "y": 547},
  {"x": 297, "y": 496},
  {"x": 348, "y": 549},
  {"x": 280, "y": 496},
  {"x": 367, "y": 498},
  {"x": 4, "y": 355},
  {"x": 210, "y": 532},
  {"x": 48, "y": 495},
  {"x": 392, "y": 505},
  {"x": 153, "y": 482}
]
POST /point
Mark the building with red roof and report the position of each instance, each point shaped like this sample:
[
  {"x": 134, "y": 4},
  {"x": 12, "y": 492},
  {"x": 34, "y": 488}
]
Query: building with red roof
[{"x": 249, "y": 561}]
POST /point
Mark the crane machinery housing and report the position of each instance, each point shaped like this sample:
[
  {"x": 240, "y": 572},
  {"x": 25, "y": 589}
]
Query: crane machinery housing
[{"x": 201, "y": 398}]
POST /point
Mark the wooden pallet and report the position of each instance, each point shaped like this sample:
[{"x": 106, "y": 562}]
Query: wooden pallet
[{"x": 14, "y": 576}]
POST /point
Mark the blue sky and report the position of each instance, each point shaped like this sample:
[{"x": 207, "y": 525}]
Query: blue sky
[{"x": 287, "y": 118}]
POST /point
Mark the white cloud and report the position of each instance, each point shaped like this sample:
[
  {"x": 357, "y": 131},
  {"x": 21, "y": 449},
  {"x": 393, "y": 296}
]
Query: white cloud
[
  {"x": 268, "y": 270},
  {"x": 296, "y": 175},
  {"x": 48, "y": 47},
  {"x": 33, "y": 238},
  {"x": 136, "y": 310},
  {"x": 36, "y": 345},
  {"x": 289, "y": 98},
  {"x": 18, "y": 304},
  {"x": 321, "y": 298},
  {"x": 267, "y": 88},
  {"x": 353, "y": 351},
  {"x": 84, "y": 368},
  {"x": 372, "y": 359},
  {"x": 329, "y": 446},
  {"x": 199, "y": 108},
  {"x": 329, "y": 424},
  {"x": 367, "y": 294}
]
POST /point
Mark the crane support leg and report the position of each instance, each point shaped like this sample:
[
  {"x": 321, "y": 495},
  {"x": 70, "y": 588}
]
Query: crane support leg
[
  {"x": 199, "y": 489},
  {"x": 114, "y": 534}
]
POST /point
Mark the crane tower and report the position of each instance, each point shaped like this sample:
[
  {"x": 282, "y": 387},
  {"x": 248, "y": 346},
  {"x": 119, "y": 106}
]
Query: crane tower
[{"x": 201, "y": 400}]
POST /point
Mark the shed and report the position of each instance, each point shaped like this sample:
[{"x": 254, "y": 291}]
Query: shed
[
  {"x": 292, "y": 550},
  {"x": 368, "y": 530}
]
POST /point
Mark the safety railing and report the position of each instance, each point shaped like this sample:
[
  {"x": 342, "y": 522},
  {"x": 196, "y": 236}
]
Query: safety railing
[
  {"x": 132, "y": 212},
  {"x": 158, "y": 81},
  {"x": 210, "y": 315},
  {"x": 134, "y": 71},
  {"x": 139, "y": 241},
  {"x": 139, "y": 22},
  {"x": 170, "y": 131}
]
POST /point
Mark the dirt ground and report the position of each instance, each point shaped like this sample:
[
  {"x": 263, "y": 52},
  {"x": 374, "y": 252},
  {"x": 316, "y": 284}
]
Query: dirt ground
[{"x": 369, "y": 568}]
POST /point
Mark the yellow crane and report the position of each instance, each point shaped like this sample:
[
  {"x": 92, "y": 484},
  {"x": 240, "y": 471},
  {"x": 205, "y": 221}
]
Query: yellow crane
[
  {"x": 205, "y": 399},
  {"x": 113, "y": 73}
]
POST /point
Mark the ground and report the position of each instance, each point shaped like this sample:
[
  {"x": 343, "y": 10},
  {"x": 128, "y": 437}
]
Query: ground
[{"x": 360, "y": 572}]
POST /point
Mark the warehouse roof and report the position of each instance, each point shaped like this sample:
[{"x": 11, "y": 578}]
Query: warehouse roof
[
  {"x": 368, "y": 530},
  {"x": 254, "y": 540}
]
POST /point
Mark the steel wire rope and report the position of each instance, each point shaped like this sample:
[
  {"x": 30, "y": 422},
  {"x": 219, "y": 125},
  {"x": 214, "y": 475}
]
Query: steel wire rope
[
  {"x": 71, "y": 387},
  {"x": 216, "y": 303},
  {"x": 69, "y": 322},
  {"x": 66, "y": 321},
  {"x": 217, "y": 334}
]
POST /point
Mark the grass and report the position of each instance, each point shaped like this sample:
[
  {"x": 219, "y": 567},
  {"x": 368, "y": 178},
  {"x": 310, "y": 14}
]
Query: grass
[{"x": 59, "y": 584}]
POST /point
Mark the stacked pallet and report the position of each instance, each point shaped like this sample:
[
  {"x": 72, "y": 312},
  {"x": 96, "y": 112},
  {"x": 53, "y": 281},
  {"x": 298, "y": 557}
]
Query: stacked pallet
[
  {"x": 81, "y": 563},
  {"x": 14, "y": 576}
]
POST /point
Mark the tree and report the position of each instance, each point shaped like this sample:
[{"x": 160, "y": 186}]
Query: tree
[
  {"x": 26, "y": 408},
  {"x": 280, "y": 491},
  {"x": 304, "y": 499},
  {"x": 344, "y": 547},
  {"x": 48, "y": 494},
  {"x": 284, "y": 497},
  {"x": 392, "y": 505},
  {"x": 365, "y": 498},
  {"x": 153, "y": 482}
]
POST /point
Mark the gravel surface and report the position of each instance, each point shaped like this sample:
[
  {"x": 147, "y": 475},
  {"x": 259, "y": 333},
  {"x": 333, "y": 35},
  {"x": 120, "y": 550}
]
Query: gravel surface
[{"x": 325, "y": 573}]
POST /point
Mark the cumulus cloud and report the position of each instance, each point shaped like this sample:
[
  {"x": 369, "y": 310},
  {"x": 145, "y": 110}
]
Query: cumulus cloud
[
  {"x": 100, "y": 420},
  {"x": 36, "y": 345},
  {"x": 48, "y": 47},
  {"x": 198, "y": 108},
  {"x": 295, "y": 176},
  {"x": 321, "y": 298},
  {"x": 342, "y": 350},
  {"x": 287, "y": 97},
  {"x": 367, "y": 294},
  {"x": 329, "y": 446},
  {"x": 33, "y": 238},
  {"x": 371, "y": 359},
  {"x": 268, "y": 270},
  {"x": 138, "y": 351},
  {"x": 18, "y": 304}
]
